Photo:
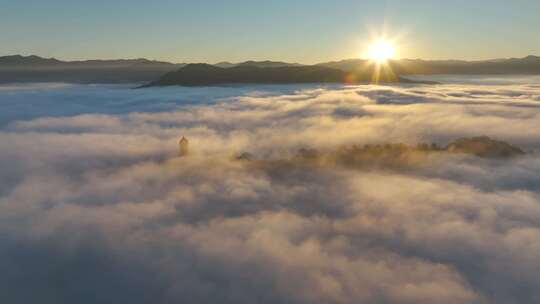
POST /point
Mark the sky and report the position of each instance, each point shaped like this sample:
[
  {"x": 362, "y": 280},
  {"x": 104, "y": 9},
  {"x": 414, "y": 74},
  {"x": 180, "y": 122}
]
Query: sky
[{"x": 305, "y": 31}]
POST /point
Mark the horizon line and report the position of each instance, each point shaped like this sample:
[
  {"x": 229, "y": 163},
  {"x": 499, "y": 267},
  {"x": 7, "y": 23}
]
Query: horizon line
[{"x": 258, "y": 60}]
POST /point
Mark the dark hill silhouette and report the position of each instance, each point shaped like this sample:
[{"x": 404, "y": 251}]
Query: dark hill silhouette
[
  {"x": 205, "y": 74},
  {"x": 19, "y": 68},
  {"x": 387, "y": 156},
  {"x": 484, "y": 146},
  {"x": 27, "y": 61},
  {"x": 19, "y": 61}
]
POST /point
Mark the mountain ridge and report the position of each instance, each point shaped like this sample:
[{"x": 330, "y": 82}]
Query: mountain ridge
[
  {"x": 33, "y": 68},
  {"x": 529, "y": 65},
  {"x": 257, "y": 63},
  {"x": 14, "y": 60}
]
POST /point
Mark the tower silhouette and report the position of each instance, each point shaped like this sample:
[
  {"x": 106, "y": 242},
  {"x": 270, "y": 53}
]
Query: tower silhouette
[{"x": 184, "y": 147}]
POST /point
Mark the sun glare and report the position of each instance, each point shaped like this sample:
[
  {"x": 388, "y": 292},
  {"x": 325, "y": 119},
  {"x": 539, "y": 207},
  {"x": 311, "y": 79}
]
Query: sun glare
[{"x": 381, "y": 50}]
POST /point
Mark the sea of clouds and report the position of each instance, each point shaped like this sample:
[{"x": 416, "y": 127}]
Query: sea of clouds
[{"x": 96, "y": 208}]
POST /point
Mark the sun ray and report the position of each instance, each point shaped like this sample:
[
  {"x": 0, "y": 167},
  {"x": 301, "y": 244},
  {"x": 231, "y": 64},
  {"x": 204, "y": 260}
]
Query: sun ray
[{"x": 379, "y": 53}]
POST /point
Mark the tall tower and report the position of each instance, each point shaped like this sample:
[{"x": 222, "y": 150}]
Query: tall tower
[{"x": 184, "y": 147}]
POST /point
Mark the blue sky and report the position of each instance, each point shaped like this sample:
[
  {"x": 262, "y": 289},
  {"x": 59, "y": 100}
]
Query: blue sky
[{"x": 304, "y": 31}]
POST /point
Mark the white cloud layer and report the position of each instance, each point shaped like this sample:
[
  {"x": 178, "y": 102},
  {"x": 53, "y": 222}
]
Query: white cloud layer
[{"x": 95, "y": 208}]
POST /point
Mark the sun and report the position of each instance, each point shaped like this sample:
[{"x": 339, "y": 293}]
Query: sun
[{"x": 381, "y": 50}]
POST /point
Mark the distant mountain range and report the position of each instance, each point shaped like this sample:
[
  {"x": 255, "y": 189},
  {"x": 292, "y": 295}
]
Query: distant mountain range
[
  {"x": 259, "y": 64},
  {"x": 19, "y": 68},
  {"x": 529, "y": 65},
  {"x": 37, "y": 69}
]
